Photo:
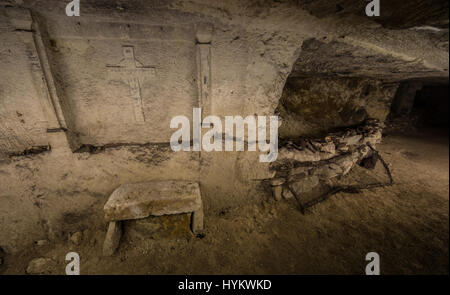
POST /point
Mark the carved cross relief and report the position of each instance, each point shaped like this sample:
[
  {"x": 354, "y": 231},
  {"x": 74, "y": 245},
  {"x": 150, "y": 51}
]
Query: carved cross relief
[{"x": 133, "y": 73}]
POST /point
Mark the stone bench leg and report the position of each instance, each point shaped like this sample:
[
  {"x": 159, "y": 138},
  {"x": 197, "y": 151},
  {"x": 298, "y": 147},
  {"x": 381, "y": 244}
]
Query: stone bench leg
[
  {"x": 112, "y": 238},
  {"x": 197, "y": 221}
]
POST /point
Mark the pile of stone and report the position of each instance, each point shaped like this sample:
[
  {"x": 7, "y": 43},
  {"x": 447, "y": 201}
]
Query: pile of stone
[{"x": 305, "y": 164}]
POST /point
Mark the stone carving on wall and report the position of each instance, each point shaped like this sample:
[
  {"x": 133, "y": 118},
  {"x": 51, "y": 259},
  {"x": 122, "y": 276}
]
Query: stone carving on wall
[
  {"x": 123, "y": 88},
  {"x": 203, "y": 37},
  {"x": 132, "y": 71}
]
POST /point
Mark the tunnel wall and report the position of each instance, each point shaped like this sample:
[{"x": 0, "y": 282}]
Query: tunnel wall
[
  {"x": 69, "y": 133},
  {"x": 315, "y": 106}
]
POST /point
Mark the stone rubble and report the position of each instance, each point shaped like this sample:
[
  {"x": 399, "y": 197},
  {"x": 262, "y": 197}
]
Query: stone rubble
[
  {"x": 287, "y": 194},
  {"x": 76, "y": 238},
  {"x": 41, "y": 266},
  {"x": 41, "y": 243}
]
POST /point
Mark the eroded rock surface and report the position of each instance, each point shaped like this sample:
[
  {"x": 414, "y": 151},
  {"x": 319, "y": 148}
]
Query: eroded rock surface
[{"x": 41, "y": 266}]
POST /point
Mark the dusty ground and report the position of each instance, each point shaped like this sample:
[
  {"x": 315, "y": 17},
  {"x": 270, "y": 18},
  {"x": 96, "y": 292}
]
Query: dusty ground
[{"x": 407, "y": 224}]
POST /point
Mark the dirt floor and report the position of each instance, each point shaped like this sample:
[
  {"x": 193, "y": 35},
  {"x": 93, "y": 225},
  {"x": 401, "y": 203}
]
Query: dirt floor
[{"x": 407, "y": 224}]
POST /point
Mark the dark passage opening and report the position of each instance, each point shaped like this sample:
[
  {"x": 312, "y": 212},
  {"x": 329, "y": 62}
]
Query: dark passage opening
[
  {"x": 431, "y": 107},
  {"x": 420, "y": 106}
]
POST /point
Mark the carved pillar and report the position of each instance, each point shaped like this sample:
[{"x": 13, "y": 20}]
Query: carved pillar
[
  {"x": 28, "y": 30},
  {"x": 58, "y": 128},
  {"x": 204, "y": 36}
]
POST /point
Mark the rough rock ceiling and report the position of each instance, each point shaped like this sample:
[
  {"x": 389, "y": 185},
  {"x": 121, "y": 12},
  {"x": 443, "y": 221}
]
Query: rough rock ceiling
[
  {"x": 396, "y": 14},
  {"x": 344, "y": 60}
]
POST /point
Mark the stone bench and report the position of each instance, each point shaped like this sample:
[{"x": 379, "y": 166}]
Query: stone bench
[{"x": 154, "y": 198}]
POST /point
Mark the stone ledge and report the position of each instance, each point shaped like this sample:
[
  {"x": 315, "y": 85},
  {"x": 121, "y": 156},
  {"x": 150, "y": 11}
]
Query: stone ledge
[{"x": 156, "y": 198}]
